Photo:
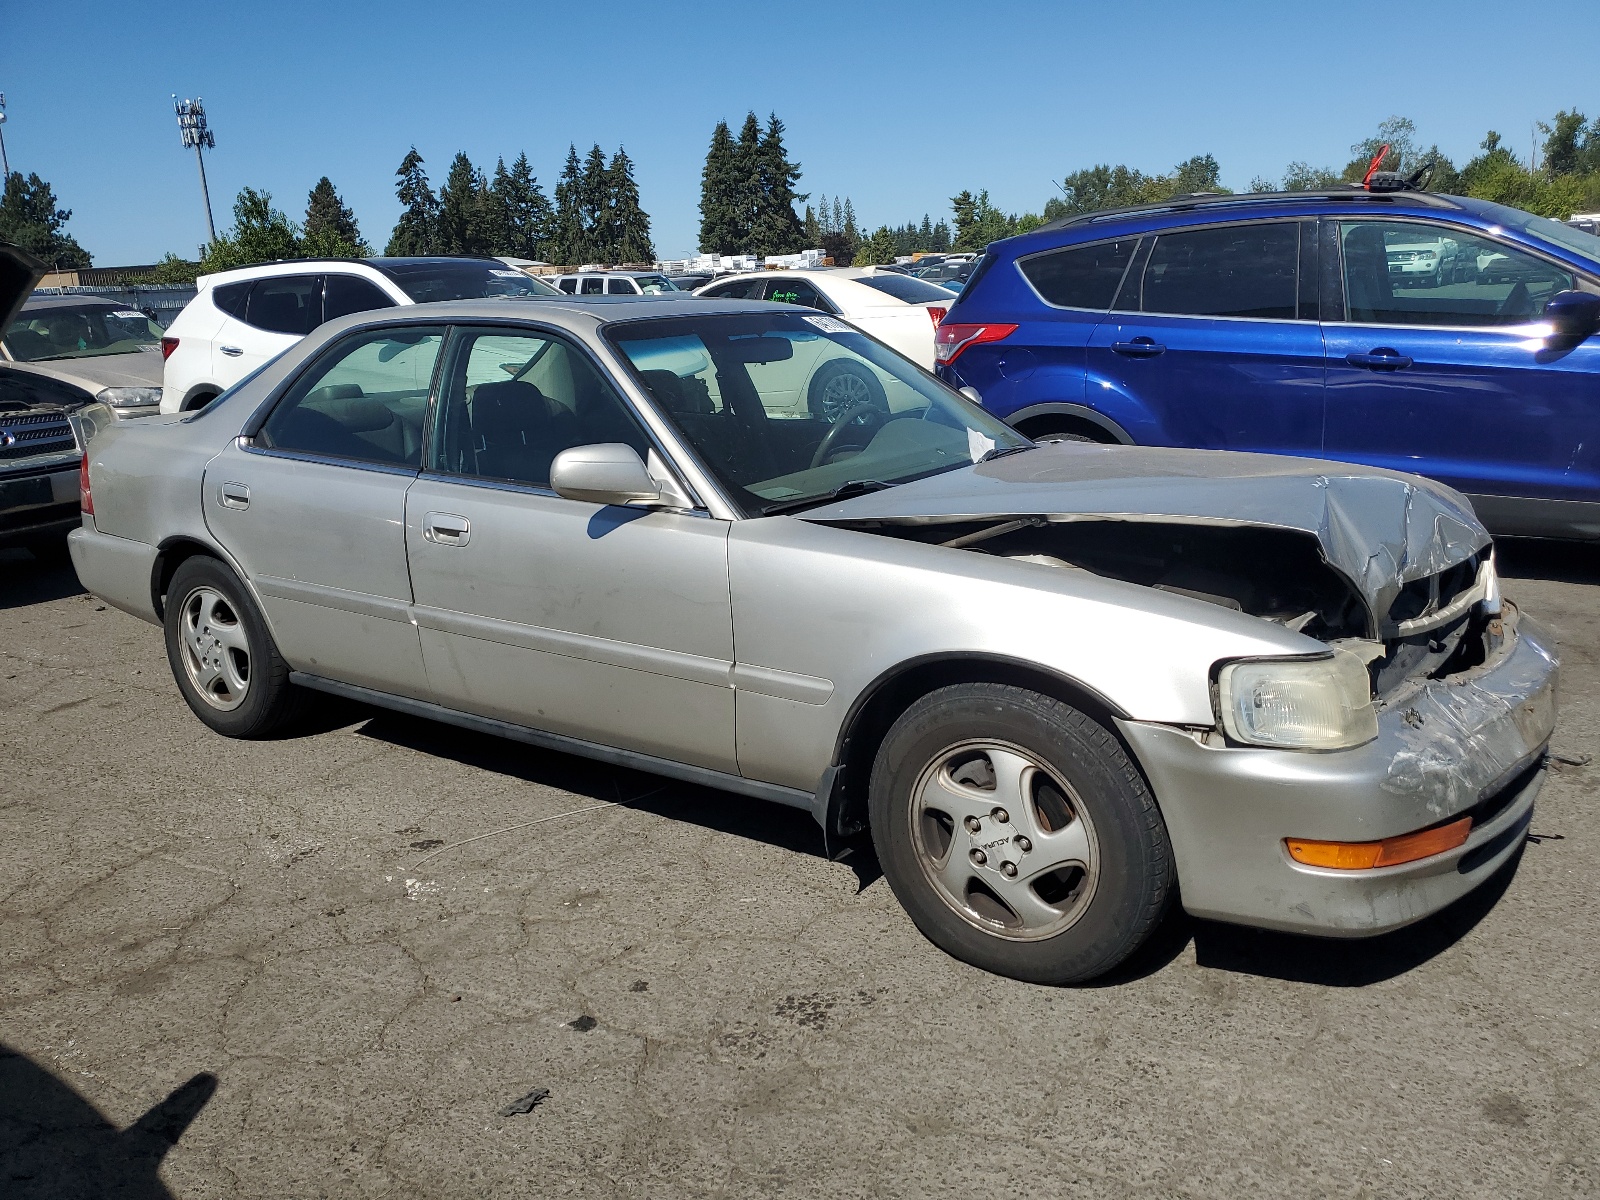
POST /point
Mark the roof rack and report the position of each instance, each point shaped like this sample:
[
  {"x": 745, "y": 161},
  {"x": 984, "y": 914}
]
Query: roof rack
[{"x": 1190, "y": 201}]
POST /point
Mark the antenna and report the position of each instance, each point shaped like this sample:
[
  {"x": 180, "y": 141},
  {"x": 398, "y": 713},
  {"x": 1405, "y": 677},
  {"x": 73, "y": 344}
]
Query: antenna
[{"x": 196, "y": 135}]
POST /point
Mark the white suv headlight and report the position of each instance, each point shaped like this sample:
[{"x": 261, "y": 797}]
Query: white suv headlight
[
  {"x": 130, "y": 397},
  {"x": 1298, "y": 703}
]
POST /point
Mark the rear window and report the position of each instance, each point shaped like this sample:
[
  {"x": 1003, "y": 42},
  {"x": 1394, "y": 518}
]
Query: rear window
[
  {"x": 429, "y": 281},
  {"x": 1079, "y": 276},
  {"x": 904, "y": 287}
]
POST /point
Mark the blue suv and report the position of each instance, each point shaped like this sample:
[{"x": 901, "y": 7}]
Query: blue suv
[{"x": 1410, "y": 330}]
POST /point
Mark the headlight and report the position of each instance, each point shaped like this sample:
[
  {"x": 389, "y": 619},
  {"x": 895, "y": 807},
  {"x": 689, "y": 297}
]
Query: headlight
[
  {"x": 1298, "y": 703},
  {"x": 130, "y": 397}
]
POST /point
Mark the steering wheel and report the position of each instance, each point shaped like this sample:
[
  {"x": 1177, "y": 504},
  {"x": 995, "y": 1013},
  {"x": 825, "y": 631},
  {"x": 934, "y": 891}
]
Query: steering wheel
[{"x": 836, "y": 431}]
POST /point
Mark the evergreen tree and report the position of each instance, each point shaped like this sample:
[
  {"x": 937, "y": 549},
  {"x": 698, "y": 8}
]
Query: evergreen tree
[
  {"x": 720, "y": 231},
  {"x": 878, "y": 249},
  {"x": 774, "y": 229},
  {"x": 568, "y": 238},
  {"x": 330, "y": 228},
  {"x": 941, "y": 237},
  {"x": 824, "y": 215},
  {"x": 522, "y": 211},
  {"x": 29, "y": 218},
  {"x": 847, "y": 224},
  {"x": 629, "y": 222},
  {"x": 838, "y": 217},
  {"x": 811, "y": 229},
  {"x": 416, "y": 231},
  {"x": 747, "y": 188},
  {"x": 460, "y": 222},
  {"x": 594, "y": 207}
]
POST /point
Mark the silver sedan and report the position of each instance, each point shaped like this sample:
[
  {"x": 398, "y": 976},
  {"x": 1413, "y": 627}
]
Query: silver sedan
[{"x": 1054, "y": 686}]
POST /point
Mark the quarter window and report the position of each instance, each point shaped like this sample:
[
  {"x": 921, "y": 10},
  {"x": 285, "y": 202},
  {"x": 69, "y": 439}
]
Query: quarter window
[
  {"x": 1079, "y": 276},
  {"x": 512, "y": 402},
  {"x": 795, "y": 291},
  {"x": 230, "y": 297},
  {"x": 366, "y": 400},
  {"x": 1407, "y": 273},
  {"x": 286, "y": 304},
  {"x": 1226, "y": 271}
]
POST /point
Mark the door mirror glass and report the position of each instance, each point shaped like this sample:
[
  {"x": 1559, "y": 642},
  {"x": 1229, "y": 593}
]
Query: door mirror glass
[
  {"x": 607, "y": 473},
  {"x": 1573, "y": 314}
]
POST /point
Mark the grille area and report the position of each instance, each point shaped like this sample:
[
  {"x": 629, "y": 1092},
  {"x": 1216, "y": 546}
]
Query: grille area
[{"x": 23, "y": 435}]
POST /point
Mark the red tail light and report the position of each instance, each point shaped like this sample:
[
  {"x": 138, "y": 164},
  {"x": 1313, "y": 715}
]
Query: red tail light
[
  {"x": 936, "y": 314},
  {"x": 168, "y": 345},
  {"x": 85, "y": 496},
  {"x": 949, "y": 341}
]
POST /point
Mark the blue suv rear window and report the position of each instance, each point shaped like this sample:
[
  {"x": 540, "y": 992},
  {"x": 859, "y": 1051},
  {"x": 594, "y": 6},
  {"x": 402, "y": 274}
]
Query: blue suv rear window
[{"x": 1079, "y": 276}]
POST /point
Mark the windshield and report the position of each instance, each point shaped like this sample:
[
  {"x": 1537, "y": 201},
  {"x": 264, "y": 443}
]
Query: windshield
[
  {"x": 80, "y": 331},
  {"x": 1554, "y": 232},
  {"x": 428, "y": 281},
  {"x": 904, "y": 287},
  {"x": 787, "y": 409},
  {"x": 654, "y": 285}
]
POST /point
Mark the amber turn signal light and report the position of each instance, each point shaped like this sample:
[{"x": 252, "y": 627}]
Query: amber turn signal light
[{"x": 1391, "y": 852}]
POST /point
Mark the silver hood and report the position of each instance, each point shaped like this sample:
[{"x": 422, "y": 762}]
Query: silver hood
[
  {"x": 136, "y": 368},
  {"x": 1380, "y": 529}
]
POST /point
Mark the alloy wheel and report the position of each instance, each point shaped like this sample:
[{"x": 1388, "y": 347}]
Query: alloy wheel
[
  {"x": 215, "y": 648},
  {"x": 841, "y": 393}
]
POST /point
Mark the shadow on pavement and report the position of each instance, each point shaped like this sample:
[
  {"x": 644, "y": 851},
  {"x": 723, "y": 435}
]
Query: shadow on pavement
[
  {"x": 54, "y": 1143},
  {"x": 26, "y": 580},
  {"x": 725, "y": 812},
  {"x": 1561, "y": 562}
]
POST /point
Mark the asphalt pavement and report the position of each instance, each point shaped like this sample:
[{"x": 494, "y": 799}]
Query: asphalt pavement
[{"x": 338, "y": 965}]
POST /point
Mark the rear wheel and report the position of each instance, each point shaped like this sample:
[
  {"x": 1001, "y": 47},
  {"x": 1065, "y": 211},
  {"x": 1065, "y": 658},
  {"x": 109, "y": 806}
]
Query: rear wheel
[
  {"x": 222, "y": 656},
  {"x": 1017, "y": 834},
  {"x": 1064, "y": 429},
  {"x": 196, "y": 403}
]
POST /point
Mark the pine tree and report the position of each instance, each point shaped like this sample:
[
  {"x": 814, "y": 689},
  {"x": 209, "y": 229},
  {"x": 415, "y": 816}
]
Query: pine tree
[
  {"x": 838, "y": 217},
  {"x": 568, "y": 239},
  {"x": 460, "y": 222},
  {"x": 810, "y": 227},
  {"x": 847, "y": 224},
  {"x": 417, "y": 230},
  {"x": 747, "y": 188},
  {"x": 719, "y": 222},
  {"x": 29, "y": 218},
  {"x": 594, "y": 207},
  {"x": 824, "y": 215},
  {"x": 630, "y": 224},
  {"x": 523, "y": 211},
  {"x": 330, "y": 227},
  {"x": 775, "y": 229}
]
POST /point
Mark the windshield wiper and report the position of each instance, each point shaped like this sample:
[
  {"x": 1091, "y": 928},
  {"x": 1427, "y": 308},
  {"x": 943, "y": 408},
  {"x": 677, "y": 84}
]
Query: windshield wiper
[
  {"x": 856, "y": 487},
  {"x": 1001, "y": 451}
]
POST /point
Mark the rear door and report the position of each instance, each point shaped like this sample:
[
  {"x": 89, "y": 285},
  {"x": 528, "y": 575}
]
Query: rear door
[
  {"x": 1450, "y": 374},
  {"x": 279, "y": 311},
  {"x": 1215, "y": 336},
  {"x": 312, "y": 508}
]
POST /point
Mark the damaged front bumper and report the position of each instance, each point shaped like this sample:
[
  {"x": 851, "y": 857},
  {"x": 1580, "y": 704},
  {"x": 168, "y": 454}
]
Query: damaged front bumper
[{"x": 1472, "y": 743}]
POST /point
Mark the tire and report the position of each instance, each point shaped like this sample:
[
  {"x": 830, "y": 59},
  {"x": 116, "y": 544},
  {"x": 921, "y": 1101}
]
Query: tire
[
  {"x": 841, "y": 384},
  {"x": 224, "y": 660},
  {"x": 1076, "y": 871},
  {"x": 1062, "y": 435}
]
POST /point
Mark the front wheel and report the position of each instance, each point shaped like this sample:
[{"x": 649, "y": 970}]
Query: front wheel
[
  {"x": 1018, "y": 835},
  {"x": 224, "y": 660}
]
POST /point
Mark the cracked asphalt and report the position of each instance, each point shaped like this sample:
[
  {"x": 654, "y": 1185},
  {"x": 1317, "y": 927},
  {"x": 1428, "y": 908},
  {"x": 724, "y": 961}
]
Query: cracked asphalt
[{"x": 323, "y": 966}]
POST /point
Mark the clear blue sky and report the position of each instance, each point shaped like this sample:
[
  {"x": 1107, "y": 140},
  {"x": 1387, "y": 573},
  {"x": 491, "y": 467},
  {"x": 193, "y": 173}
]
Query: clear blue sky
[{"x": 898, "y": 106}]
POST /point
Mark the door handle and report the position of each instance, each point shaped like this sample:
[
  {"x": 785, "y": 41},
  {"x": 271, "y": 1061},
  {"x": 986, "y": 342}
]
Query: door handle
[
  {"x": 231, "y": 351},
  {"x": 1381, "y": 359},
  {"x": 1139, "y": 347},
  {"x": 446, "y": 529},
  {"x": 233, "y": 495}
]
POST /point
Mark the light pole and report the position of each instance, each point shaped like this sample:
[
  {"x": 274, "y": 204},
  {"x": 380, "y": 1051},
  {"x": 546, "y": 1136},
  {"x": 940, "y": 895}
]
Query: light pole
[
  {"x": 5, "y": 165},
  {"x": 192, "y": 128}
]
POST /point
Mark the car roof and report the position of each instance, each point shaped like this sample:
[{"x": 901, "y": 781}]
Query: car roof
[
  {"x": 69, "y": 300},
  {"x": 580, "y": 314},
  {"x": 385, "y": 265}
]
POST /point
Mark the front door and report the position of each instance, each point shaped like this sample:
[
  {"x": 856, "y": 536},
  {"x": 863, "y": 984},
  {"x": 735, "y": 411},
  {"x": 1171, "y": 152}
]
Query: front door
[
  {"x": 1217, "y": 339},
  {"x": 1440, "y": 366},
  {"x": 612, "y": 625},
  {"x": 313, "y": 509}
]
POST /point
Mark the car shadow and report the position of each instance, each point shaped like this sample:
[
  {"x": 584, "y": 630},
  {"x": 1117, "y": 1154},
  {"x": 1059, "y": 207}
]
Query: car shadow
[
  {"x": 1536, "y": 558},
  {"x": 710, "y": 808},
  {"x": 26, "y": 580},
  {"x": 56, "y": 1144}
]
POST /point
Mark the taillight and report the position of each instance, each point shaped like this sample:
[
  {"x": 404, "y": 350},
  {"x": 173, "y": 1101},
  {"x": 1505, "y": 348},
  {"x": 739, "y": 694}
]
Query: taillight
[
  {"x": 85, "y": 496},
  {"x": 950, "y": 340},
  {"x": 168, "y": 345},
  {"x": 936, "y": 314}
]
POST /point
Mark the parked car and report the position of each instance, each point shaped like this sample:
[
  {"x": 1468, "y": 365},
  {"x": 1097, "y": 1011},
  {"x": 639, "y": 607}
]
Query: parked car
[
  {"x": 100, "y": 348},
  {"x": 688, "y": 283},
  {"x": 242, "y": 318},
  {"x": 1278, "y": 323},
  {"x": 40, "y": 455},
  {"x": 616, "y": 283},
  {"x": 894, "y": 308},
  {"x": 1051, "y": 683}
]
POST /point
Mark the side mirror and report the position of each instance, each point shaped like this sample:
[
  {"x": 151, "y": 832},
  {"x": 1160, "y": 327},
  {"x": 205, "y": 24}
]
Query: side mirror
[
  {"x": 1573, "y": 314},
  {"x": 610, "y": 473}
]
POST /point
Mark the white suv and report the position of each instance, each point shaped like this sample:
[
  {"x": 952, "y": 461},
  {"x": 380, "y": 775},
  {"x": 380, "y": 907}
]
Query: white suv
[
  {"x": 242, "y": 318},
  {"x": 616, "y": 283}
]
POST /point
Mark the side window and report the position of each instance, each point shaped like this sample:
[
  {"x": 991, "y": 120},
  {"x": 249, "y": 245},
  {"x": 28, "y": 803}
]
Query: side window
[
  {"x": 365, "y": 399},
  {"x": 512, "y": 402},
  {"x": 568, "y": 285},
  {"x": 795, "y": 291},
  {"x": 1079, "y": 276},
  {"x": 286, "y": 304},
  {"x": 620, "y": 287},
  {"x": 1229, "y": 271},
  {"x": 230, "y": 297},
  {"x": 346, "y": 294},
  {"x": 1408, "y": 273},
  {"x": 739, "y": 289},
  {"x": 592, "y": 286}
]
